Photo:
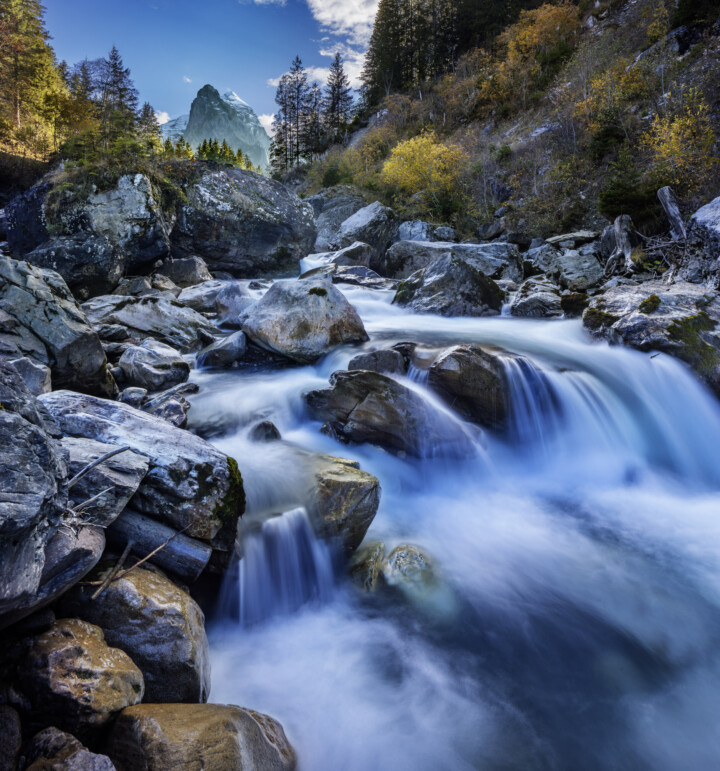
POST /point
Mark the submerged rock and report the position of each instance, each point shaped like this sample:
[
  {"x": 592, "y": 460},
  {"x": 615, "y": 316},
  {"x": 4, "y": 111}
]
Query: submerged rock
[
  {"x": 157, "y": 624},
  {"x": 212, "y": 737},
  {"x": 450, "y": 286},
  {"x": 369, "y": 407},
  {"x": 678, "y": 319},
  {"x": 303, "y": 320}
]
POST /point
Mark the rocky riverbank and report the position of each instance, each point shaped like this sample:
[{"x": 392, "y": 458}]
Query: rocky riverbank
[{"x": 116, "y": 520}]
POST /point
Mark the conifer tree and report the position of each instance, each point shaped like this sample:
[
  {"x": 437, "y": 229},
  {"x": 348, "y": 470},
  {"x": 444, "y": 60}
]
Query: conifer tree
[
  {"x": 337, "y": 102},
  {"x": 148, "y": 128},
  {"x": 119, "y": 99},
  {"x": 313, "y": 124}
]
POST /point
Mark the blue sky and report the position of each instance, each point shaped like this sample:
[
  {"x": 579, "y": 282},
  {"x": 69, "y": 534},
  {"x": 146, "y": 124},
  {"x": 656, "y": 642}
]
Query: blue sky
[{"x": 174, "y": 47}]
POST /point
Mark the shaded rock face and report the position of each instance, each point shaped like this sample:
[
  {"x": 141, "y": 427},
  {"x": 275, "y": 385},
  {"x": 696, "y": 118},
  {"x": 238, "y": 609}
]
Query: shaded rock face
[
  {"x": 702, "y": 261},
  {"x": 375, "y": 225},
  {"x": 345, "y": 501},
  {"x": 331, "y": 208},
  {"x": 153, "y": 365},
  {"x": 244, "y": 224},
  {"x": 187, "y": 272},
  {"x": 497, "y": 261},
  {"x": 679, "y": 319},
  {"x": 189, "y": 484},
  {"x": 231, "y": 303},
  {"x": 10, "y": 738},
  {"x": 357, "y": 253},
  {"x": 574, "y": 269},
  {"x": 388, "y": 361},
  {"x": 537, "y": 298},
  {"x": 224, "y": 353},
  {"x": 157, "y": 624},
  {"x": 212, "y": 737},
  {"x": 365, "y": 566},
  {"x": 71, "y": 679},
  {"x": 303, "y": 320},
  {"x": 472, "y": 381},
  {"x": 40, "y": 301},
  {"x": 25, "y": 217},
  {"x": 55, "y": 750},
  {"x": 174, "y": 324},
  {"x": 370, "y": 407},
  {"x": 450, "y": 286},
  {"x": 202, "y": 297}
]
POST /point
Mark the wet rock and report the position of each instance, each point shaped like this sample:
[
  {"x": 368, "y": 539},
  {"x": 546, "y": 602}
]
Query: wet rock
[
  {"x": 188, "y": 271},
  {"x": 702, "y": 261},
  {"x": 303, "y": 320},
  {"x": 212, "y": 737},
  {"x": 573, "y": 304},
  {"x": 70, "y": 678},
  {"x": 40, "y": 301},
  {"x": 356, "y": 276},
  {"x": 153, "y": 365},
  {"x": 10, "y": 738},
  {"x": 157, "y": 624},
  {"x": 366, "y": 565},
  {"x": 678, "y": 319},
  {"x": 357, "y": 254},
  {"x": 202, "y": 297},
  {"x": 189, "y": 484},
  {"x": 497, "y": 261},
  {"x": 388, "y": 361},
  {"x": 571, "y": 269},
  {"x": 55, "y": 750},
  {"x": 171, "y": 405},
  {"x": 243, "y": 223},
  {"x": 450, "y": 286},
  {"x": 157, "y": 317},
  {"x": 537, "y": 298},
  {"x": 345, "y": 501},
  {"x": 115, "y": 480},
  {"x": 472, "y": 381},
  {"x": 224, "y": 353},
  {"x": 375, "y": 225},
  {"x": 265, "y": 431},
  {"x": 369, "y": 407},
  {"x": 332, "y": 207},
  {"x": 232, "y": 303},
  {"x": 133, "y": 397}
]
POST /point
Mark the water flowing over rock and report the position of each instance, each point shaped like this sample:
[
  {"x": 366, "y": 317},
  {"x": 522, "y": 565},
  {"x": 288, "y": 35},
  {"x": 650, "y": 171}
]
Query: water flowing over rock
[
  {"x": 497, "y": 261},
  {"x": 55, "y": 750},
  {"x": 303, "y": 320},
  {"x": 679, "y": 319},
  {"x": 153, "y": 365},
  {"x": 451, "y": 286},
  {"x": 190, "y": 485},
  {"x": 537, "y": 298},
  {"x": 370, "y": 407},
  {"x": 472, "y": 380},
  {"x": 157, "y": 624},
  {"x": 70, "y": 678},
  {"x": 40, "y": 301},
  {"x": 244, "y": 224},
  {"x": 172, "y": 323},
  {"x": 332, "y": 207},
  {"x": 212, "y": 737}
]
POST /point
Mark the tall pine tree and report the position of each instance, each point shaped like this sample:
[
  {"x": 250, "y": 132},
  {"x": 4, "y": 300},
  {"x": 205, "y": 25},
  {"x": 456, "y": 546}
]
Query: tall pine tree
[{"x": 338, "y": 100}]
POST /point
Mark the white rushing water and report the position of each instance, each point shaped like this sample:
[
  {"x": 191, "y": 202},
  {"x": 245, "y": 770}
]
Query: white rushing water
[{"x": 580, "y": 628}]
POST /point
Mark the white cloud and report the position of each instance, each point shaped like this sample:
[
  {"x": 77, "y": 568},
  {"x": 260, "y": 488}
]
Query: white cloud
[
  {"x": 187, "y": 79},
  {"x": 162, "y": 117},
  {"x": 266, "y": 120},
  {"x": 262, "y": 2},
  {"x": 349, "y": 18}
]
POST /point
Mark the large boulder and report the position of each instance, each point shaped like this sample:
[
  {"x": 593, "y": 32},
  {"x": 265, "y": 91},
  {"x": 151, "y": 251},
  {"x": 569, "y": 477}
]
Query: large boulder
[
  {"x": 190, "y": 485},
  {"x": 158, "y": 317},
  {"x": 40, "y": 301},
  {"x": 244, "y": 224},
  {"x": 497, "y": 261},
  {"x": 224, "y": 353},
  {"x": 679, "y": 319},
  {"x": 375, "y": 225},
  {"x": 153, "y": 365},
  {"x": 472, "y": 380},
  {"x": 574, "y": 269},
  {"x": 70, "y": 678},
  {"x": 388, "y": 361},
  {"x": 157, "y": 624},
  {"x": 331, "y": 208},
  {"x": 357, "y": 254},
  {"x": 451, "y": 286},
  {"x": 537, "y": 298},
  {"x": 416, "y": 230},
  {"x": 345, "y": 501},
  {"x": 702, "y": 260},
  {"x": 202, "y": 297},
  {"x": 187, "y": 272},
  {"x": 369, "y": 407},
  {"x": 56, "y": 750},
  {"x": 303, "y": 320},
  {"x": 211, "y": 737}
]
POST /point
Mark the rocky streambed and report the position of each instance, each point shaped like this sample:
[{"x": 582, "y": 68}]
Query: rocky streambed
[{"x": 413, "y": 505}]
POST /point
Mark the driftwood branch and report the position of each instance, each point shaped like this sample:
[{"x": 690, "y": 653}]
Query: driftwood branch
[
  {"x": 113, "y": 573},
  {"x": 81, "y": 506},
  {"x": 96, "y": 463}
]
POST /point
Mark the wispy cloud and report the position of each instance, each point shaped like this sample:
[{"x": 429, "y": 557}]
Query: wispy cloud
[
  {"x": 352, "y": 19},
  {"x": 162, "y": 117},
  {"x": 187, "y": 79},
  {"x": 266, "y": 120}
]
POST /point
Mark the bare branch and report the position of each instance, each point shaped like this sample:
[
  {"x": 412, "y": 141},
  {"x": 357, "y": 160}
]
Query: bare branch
[{"x": 95, "y": 463}]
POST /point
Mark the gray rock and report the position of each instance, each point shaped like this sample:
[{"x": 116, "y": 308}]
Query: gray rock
[
  {"x": 224, "y": 353},
  {"x": 497, "y": 261},
  {"x": 572, "y": 269},
  {"x": 211, "y": 737},
  {"x": 157, "y": 624},
  {"x": 417, "y": 230},
  {"x": 137, "y": 286},
  {"x": 679, "y": 319},
  {"x": 37, "y": 377},
  {"x": 41, "y": 302},
  {"x": 115, "y": 480},
  {"x": 265, "y": 431},
  {"x": 188, "y": 271},
  {"x": 134, "y": 397},
  {"x": 444, "y": 233},
  {"x": 153, "y": 365},
  {"x": 492, "y": 230},
  {"x": 355, "y": 276},
  {"x": 202, "y": 297},
  {"x": 472, "y": 380},
  {"x": 357, "y": 254},
  {"x": 190, "y": 485},
  {"x": 231, "y": 303},
  {"x": 573, "y": 240},
  {"x": 701, "y": 263},
  {"x": 18, "y": 342},
  {"x": 56, "y": 750},
  {"x": 332, "y": 207},
  {"x": 369, "y": 407},
  {"x": 388, "y": 361},
  {"x": 450, "y": 286},
  {"x": 374, "y": 224},
  {"x": 365, "y": 566},
  {"x": 243, "y": 223},
  {"x": 167, "y": 320},
  {"x": 537, "y": 298},
  {"x": 171, "y": 405},
  {"x": 303, "y": 320}
]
